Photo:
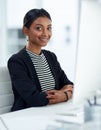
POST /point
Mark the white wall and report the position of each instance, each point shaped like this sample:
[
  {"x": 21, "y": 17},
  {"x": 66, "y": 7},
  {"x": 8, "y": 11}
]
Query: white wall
[
  {"x": 16, "y": 10},
  {"x": 3, "y": 33}
]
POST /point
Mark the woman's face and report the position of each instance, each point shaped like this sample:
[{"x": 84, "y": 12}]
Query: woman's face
[{"x": 40, "y": 32}]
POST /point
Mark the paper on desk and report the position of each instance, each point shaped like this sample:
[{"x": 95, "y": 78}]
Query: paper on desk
[{"x": 70, "y": 117}]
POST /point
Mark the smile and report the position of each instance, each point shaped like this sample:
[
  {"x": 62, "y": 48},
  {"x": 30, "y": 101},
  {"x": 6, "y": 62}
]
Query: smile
[{"x": 44, "y": 39}]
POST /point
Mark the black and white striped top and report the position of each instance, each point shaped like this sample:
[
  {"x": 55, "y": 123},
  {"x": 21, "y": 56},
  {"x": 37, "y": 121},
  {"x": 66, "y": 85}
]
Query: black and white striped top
[{"x": 43, "y": 71}]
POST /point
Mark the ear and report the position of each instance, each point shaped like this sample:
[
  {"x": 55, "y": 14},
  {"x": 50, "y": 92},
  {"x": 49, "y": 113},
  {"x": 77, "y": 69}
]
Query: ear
[{"x": 25, "y": 30}]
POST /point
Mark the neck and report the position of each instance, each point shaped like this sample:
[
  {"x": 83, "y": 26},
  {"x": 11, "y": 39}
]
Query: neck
[{"x": 34, "y": 49}]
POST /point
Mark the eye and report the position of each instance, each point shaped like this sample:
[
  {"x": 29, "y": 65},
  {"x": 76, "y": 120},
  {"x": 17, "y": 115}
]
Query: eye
[
  {"x": 39, "y": 28},
  {"x": 50, "y": 28}
]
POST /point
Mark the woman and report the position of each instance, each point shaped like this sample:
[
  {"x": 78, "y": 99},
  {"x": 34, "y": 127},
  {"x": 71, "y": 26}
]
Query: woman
[{"x": 36, "y": 75}]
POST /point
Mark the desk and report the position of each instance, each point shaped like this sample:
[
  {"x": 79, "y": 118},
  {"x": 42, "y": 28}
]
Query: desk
[
  {"x": 2, "y": 126},
  {"x": 35, "y": 118}
]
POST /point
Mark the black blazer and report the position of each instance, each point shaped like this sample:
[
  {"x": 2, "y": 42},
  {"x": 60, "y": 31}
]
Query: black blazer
[{"x": 25, "y": 83}]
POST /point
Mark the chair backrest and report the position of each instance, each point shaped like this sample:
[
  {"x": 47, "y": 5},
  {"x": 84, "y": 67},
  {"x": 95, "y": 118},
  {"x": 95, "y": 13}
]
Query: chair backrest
[{"x": 6, "y": 93}]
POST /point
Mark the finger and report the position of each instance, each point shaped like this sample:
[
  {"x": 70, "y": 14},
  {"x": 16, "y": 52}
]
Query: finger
[
  {"x": 50, "y": 96},
  {"x": 51, "y": 91},
  {"x": 69, "y": 88},
  {"x": 52, "y": 101}
]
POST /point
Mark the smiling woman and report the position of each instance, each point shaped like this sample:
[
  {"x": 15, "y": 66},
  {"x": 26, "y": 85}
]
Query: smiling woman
[
  {"x": 36, "y": 75},
  {"x": 39, "y": 33},
  {"x": 37, "y": 27}
]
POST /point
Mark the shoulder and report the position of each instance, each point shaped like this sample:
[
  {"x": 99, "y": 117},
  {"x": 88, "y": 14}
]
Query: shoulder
[
  {"x": 48, "y": 53},
  {"x": 22, "y": 54}
]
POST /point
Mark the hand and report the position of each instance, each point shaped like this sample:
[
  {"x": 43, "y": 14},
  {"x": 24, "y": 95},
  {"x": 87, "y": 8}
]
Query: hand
[
  {"x": 56, "y": 96},
  {"x": 69, "y": 89}
]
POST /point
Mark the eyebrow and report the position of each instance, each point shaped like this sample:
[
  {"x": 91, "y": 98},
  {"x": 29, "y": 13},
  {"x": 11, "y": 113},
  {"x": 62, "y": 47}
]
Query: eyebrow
[{"x": 42, "y": 25}]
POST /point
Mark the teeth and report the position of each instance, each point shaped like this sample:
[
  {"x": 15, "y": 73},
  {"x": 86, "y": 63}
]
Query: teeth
[{"x": 44, "y": 39}]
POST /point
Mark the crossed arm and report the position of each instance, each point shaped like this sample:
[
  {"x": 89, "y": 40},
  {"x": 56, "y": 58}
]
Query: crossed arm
[{"x": 57, "y": 96}]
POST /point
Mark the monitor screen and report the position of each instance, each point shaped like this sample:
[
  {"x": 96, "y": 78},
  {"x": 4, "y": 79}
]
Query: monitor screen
[{"x": 88, "y": 62}]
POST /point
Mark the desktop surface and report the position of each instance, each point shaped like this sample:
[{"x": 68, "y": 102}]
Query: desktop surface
[
  {"x": 39, "y": 118},
  {"x": 2, "y": 125}
]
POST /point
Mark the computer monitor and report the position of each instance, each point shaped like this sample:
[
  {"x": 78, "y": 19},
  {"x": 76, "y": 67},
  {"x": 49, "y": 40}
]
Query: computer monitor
[{"x": 88, "y": 62}]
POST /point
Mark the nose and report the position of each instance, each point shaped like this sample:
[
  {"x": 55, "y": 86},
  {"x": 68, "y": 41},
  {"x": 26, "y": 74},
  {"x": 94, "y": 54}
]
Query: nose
[{"x": 45, "y": 32}]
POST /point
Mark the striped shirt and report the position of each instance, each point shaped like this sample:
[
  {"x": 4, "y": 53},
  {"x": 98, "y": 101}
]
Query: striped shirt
[{"x": 43, "y": 71}]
